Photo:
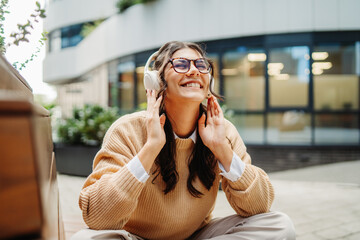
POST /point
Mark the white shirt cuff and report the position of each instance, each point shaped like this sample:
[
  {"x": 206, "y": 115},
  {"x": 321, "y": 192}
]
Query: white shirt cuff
[
  {"x": 137, "y": 169},
  {"x": 237, "y": 168}
]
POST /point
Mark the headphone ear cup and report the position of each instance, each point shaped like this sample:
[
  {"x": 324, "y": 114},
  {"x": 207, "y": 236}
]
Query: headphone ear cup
[{"x": 151, "y": 80}]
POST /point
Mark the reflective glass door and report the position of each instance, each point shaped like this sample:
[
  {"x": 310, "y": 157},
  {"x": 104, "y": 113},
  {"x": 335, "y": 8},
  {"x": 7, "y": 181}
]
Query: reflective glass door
[{"x": 288, "y": 96}]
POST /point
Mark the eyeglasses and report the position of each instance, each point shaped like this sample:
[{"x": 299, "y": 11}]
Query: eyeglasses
[{"x": 182, "y": 65}]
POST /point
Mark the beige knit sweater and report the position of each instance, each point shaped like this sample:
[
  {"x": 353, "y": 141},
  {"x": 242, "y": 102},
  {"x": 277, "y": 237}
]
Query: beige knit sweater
[{"x": 113, "y": 198}]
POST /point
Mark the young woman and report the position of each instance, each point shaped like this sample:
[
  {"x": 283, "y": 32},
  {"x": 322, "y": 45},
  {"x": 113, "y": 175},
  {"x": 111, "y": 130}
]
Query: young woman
[{"x": 157, "y": 174}]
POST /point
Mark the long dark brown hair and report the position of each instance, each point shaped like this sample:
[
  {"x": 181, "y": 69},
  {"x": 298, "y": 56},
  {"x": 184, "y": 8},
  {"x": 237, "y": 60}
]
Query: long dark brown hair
[{"x": 202, "y": 161}]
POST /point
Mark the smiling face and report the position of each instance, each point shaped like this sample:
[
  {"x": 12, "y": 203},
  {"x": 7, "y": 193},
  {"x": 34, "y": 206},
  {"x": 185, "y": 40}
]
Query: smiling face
[{"x": 186, "y": 87}]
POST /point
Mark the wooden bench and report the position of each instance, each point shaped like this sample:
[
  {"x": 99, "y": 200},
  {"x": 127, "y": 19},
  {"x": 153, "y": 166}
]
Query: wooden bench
[{"x": 29, "y": 195}]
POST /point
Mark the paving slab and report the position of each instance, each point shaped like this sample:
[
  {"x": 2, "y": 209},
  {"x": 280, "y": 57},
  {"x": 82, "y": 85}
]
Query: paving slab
[{"x": 322, "y": 201}]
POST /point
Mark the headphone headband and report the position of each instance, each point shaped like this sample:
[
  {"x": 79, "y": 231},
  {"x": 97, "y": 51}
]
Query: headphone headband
[{"x": 146, "y": 69}]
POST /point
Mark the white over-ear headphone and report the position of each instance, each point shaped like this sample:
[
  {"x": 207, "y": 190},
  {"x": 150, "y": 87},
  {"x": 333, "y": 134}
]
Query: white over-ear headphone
[{"x": 151, "y": 78}]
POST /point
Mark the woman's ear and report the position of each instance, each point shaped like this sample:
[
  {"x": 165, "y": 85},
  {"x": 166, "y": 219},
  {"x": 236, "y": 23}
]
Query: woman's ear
[{"x": 208, "y": 94}]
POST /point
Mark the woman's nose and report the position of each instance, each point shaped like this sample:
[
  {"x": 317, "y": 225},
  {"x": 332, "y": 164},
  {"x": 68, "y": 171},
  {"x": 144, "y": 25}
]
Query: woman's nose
[{"x": 193, "y": 69}]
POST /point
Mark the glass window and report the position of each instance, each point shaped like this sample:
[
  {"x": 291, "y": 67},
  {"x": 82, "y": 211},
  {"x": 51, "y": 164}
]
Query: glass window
[
  {"x": 74, "y": 40},
  {"x": 70, "y": 35},
  {"x": 125, "y": 86},
  {"x": 113, "y": 90},
  {"x": 288, "y": 71},
  {"x": 336, "y": 84},
  {"x": 336, "y": 129},
  {"x": 113, "y": 78},
  {"x": 249, "y": 126},
  {"x": 290, "y": 127},
  {"x": 244, "y": 78},
  {"x": 64, "y": 37},
  {"x": 141, "y": 94},
  {"x": 54, "y": 41}
]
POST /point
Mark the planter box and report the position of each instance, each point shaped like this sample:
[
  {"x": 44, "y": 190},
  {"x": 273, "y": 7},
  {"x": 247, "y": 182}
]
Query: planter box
[{"x": 75, "y": 159}]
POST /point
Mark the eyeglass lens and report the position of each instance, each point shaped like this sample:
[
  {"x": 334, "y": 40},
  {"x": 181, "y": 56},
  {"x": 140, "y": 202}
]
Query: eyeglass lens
[{"x": 182, "y": 65}]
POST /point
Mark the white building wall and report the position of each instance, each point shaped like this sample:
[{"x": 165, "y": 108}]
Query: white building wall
[
  {"x": 91, "y": 89},
  {"x": 326, "y": 18},
  {"x": 349, "y": 15},
  {"x": 68, "y": 12},
  {"x": 147, "y": 26}
]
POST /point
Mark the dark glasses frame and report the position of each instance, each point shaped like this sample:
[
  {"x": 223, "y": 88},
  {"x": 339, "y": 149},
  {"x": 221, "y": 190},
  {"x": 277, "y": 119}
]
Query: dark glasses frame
[{"x": 189, "y": 64}]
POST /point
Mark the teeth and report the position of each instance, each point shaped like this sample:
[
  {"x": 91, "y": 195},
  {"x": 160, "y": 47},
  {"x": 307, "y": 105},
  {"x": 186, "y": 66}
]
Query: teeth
[{"x": 197, "y": 85}]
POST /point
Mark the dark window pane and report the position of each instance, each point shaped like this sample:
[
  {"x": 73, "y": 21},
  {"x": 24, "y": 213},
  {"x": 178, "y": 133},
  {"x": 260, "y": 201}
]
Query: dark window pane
[{"x": 70, "y": 35}]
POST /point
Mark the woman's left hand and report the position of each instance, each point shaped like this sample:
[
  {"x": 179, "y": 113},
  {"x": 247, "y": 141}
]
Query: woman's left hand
[{"x": 213, "y": 133}]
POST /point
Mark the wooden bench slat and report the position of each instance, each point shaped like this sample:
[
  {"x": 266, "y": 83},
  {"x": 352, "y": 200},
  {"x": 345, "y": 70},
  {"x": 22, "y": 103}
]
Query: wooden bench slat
[{"x": 29, "y": 194}]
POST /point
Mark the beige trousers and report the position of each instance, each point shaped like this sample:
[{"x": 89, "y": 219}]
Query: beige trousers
[{"x": 266, "y": 226}]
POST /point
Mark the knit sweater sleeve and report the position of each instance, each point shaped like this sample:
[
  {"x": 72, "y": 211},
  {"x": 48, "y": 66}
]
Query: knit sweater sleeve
[
  {"x": 110, "y": 193},
  {"x": 253, "y": 192}
]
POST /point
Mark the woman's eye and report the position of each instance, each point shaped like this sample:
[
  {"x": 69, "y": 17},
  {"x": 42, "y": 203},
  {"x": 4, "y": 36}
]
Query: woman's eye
[
  {"x": 181, "y": 64},
  {"x": 201, "y": 65}
]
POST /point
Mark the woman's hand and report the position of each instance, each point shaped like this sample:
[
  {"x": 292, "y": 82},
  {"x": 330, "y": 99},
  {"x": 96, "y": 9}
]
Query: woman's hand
[
  {"x": 154, "y": 123},
  {"x": 155, "y": 131},
  {"x": 213, "y": 134}
]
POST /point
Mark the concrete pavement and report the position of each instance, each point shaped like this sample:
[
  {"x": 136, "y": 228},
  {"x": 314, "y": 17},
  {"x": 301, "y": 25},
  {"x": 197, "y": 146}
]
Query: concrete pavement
[{"x": 323, "y": 201}]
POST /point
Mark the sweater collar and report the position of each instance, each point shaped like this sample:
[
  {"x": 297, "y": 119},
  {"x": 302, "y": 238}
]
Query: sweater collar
[{"x": 192, "y": 136}]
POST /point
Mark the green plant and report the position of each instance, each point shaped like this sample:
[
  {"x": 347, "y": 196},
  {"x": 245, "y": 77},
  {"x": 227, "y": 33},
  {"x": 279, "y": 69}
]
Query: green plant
[
  {"x": 3, "y": 11},
  {"x": 50, "y": 107},
  {"x": 20, "y": 66},
  {"x": 24, "y": 29},
  {"x": 122, "y": 5},
  {"x": 89, "y": 27},
  {"x": 87, "y": 125},
  {"x": 21, "y": 35}
]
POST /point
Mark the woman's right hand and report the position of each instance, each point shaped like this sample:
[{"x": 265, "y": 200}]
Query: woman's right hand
[
  {"x": 154, "y": 122},
  {"x": 156, "y": 137}
]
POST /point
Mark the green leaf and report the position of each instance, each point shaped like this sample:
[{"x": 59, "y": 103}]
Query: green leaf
[
  {"x": 23, "y": 31},
  {"x": 92, "y": 122}
]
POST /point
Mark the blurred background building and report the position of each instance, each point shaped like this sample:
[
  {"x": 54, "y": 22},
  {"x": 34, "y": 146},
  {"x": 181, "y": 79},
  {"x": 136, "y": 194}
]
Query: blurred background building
[{"x": 289, "y": 70}]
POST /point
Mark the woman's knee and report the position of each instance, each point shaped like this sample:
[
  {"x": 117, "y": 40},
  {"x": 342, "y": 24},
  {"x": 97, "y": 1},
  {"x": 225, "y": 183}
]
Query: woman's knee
[{"x": 286, "y": 225}]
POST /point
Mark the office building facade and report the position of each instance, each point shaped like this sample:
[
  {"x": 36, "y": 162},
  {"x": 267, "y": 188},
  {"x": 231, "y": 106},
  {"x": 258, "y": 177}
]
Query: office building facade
[{"x": 289, "y": 70}]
